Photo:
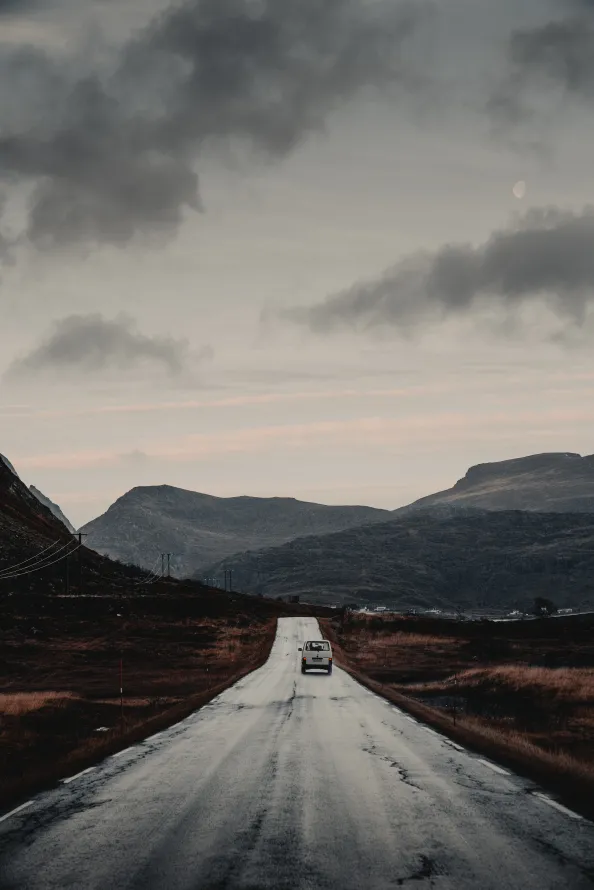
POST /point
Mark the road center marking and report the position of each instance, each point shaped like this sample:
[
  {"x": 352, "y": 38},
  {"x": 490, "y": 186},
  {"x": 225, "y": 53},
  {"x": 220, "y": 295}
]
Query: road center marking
[
  {"x": 557, "y": 806},
  {"x": 494, "y": 767},
  {"x": 15, "y": 811},
  {"x": 78, "y": 775}
]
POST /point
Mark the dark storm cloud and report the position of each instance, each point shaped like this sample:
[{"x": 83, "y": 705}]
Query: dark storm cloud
[
  {"x": 118, "y": 159},
  {"x": 558, "y": 53},
  {"x": 11, "y": 6},
  {"x": 92, "y": 343},
  {"x": 548, "y": 254}
]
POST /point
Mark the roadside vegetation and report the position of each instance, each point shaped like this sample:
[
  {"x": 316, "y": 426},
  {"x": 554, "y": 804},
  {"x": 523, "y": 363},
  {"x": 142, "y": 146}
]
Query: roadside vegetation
[
  {"x": 63, "y": 659},
  {"x": 521, "y": 691}
]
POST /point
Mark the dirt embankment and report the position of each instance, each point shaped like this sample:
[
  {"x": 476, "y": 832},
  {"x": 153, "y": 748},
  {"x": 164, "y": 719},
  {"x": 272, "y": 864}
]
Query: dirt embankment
[
  {"x": 522, "y": 693},
  {"x": 63, "y": 660}
]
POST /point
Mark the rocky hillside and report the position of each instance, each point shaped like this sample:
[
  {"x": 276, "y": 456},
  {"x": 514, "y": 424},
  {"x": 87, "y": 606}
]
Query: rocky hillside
[
  {"x": 555, "y": 482},
  {"x": 22, "y": 515},
  {"x": 199, "y": 529},
  {"x": 55, "y": 509},
  {"x": 39, "y": 555},
  {"x": 445, "y": 559}
]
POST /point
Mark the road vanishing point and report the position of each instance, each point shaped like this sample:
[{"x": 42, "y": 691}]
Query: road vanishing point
[{"x": 303, "y": 782}]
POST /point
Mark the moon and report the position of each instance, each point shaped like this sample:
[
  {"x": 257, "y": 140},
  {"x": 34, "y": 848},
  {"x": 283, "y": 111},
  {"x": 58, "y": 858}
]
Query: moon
[{"x": 519, "y": 189}]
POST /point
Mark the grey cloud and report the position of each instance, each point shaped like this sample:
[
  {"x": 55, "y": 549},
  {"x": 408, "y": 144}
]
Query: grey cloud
[
  {"x": 11, "y": 6},
  {"x": 118, "y": 158},
  {"x": 136, "y": 457},
  {"x": 86, "y": 343},
  {"x": 547, "y": 254},
  {"x": 555, "y": 54}
]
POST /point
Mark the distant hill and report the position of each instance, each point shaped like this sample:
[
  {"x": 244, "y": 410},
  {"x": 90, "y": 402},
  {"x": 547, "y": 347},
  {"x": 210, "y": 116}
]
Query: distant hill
[
  {"x": 34, "y": 545},
  {"x": 51, "y": 506},
  {"x": 554, "y": 482},
  {"x": 199, "y": 529},
  {"x": 440, "y": 558}
]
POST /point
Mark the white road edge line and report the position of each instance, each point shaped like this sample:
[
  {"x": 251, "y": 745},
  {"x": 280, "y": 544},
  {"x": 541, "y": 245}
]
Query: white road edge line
[
  {"x": 123, "y": 751},
  {"x": 15, "y": 811},
  {"x": 456, "y": 746},
  {"x": 557, "y": 806},
  {"x": 433, "y": 732},
  {"x": 78, "y": 775},
  {"x": 494, "y": 767}
]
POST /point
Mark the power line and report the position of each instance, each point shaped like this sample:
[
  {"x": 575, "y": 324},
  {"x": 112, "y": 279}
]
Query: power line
[
  {"x": 168, "y": 555},
  {"x": 33, "y": 558},
  {"x": 24, "y": 566},
  {"x": 81, "y": 535},
  {"x": 40, "y": 567},
  {"x": 152, "y": 576}
]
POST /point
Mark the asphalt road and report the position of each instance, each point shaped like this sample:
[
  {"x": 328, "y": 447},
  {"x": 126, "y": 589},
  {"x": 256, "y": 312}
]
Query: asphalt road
[{"x": 291, "y": 781}]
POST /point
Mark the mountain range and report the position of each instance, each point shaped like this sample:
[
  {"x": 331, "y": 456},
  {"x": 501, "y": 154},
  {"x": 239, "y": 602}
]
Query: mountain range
[
  {"x": 504, "y": 533},
  {"x": 198, "y": 529},
  {"x": 433, "y": 558},
  {"x": 555, "y": 482}
]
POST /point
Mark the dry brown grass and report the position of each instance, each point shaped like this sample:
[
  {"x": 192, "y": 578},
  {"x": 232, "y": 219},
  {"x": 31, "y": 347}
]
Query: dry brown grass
[
  {"x": 61, "y": 685},
  {"x": 15, "y": 704},
  {"x": 575, "y": 685},
  {"x": 537, "y": 720}
]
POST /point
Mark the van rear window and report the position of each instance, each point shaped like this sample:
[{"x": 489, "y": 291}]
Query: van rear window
[{"x": 317, "y": 646}]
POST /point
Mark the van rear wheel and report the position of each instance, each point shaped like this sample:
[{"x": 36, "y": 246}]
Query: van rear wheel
[{"x": 303, "y": 669}]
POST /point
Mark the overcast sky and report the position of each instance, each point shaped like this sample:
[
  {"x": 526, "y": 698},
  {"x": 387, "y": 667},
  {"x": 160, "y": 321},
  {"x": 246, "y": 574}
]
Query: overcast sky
[{"x": 337, "y": 250}]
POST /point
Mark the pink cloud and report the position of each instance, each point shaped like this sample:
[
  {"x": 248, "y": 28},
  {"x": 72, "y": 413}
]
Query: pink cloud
[
  {"x": 428, "y": 432},
  {"x": 247, "y": 400}
]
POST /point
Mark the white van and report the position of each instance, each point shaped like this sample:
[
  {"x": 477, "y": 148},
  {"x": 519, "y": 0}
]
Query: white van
[{"x": 316, "y": 654}]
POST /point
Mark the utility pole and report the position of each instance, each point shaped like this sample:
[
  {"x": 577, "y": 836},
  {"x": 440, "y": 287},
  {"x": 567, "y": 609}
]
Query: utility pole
[
  {"x": 81, "y": 535},
  {"x": 122, "y": 691},
  {"x": 67, "y": 574},
  {"x": 169, "y": 565},
  {"x": 230, "y": 580},
  {"x": 225, "y": 579},
  {"x": 162, "y": 564}
]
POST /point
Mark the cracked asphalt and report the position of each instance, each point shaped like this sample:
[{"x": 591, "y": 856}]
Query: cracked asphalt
[{"x": 291, "y": 781}]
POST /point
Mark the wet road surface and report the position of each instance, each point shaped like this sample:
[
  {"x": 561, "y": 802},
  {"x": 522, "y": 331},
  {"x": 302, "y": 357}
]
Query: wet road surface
[{"x": 291, "y": 781}]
